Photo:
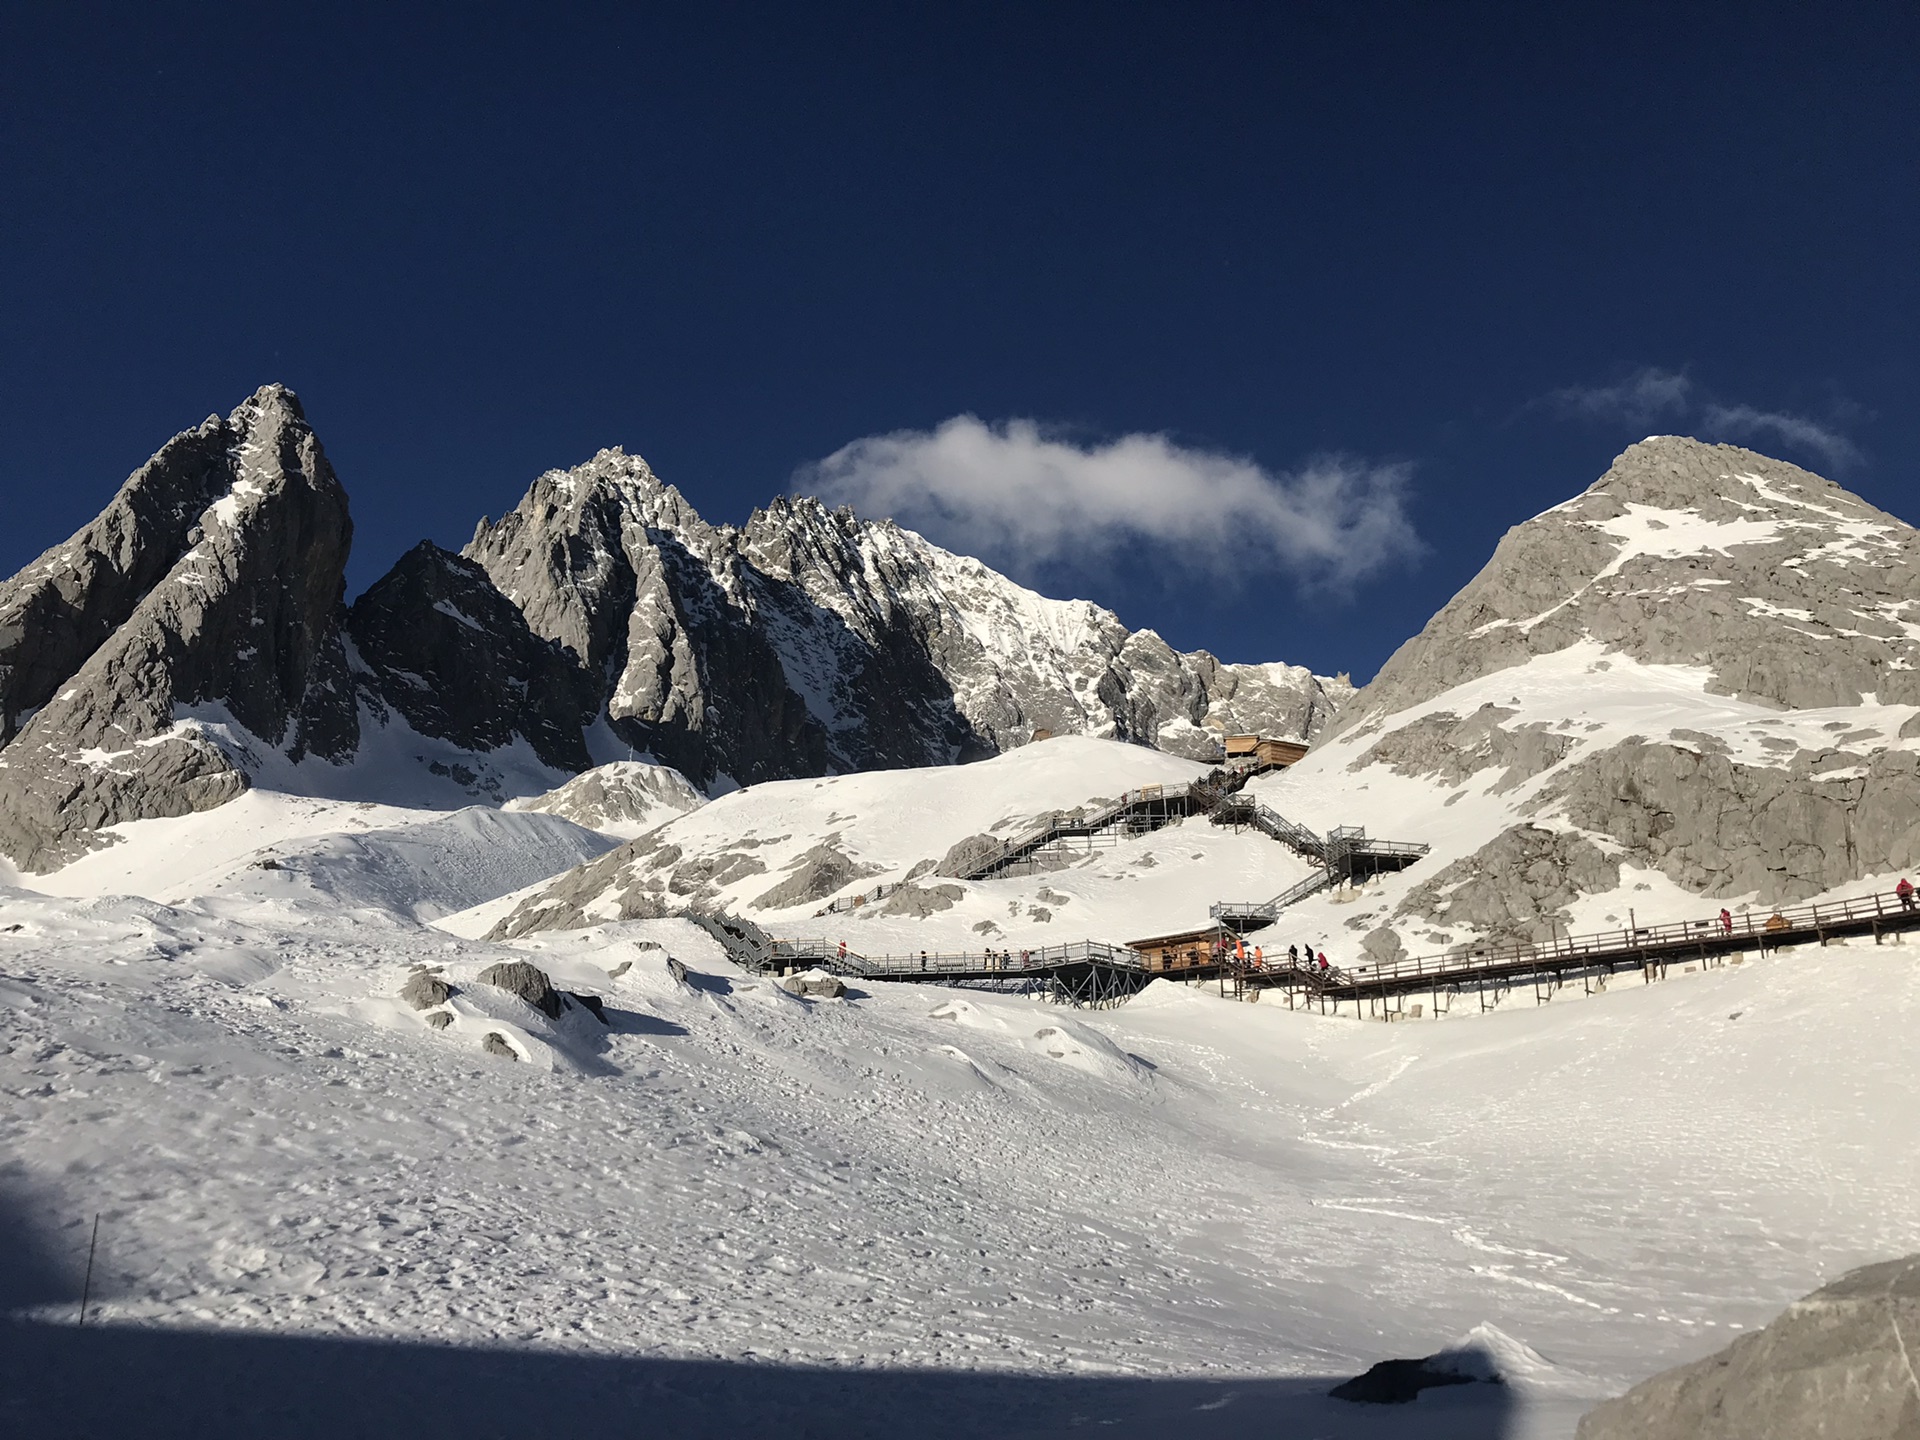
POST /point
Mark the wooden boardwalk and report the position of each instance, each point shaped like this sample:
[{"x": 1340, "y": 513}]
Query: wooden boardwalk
[
  {"x": 1487, "y": 970},
  {"x": 1097, "y": 972}
]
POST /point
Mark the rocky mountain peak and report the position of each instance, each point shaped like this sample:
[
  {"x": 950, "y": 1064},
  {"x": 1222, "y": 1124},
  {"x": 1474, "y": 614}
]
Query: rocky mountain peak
[
  {"x": 197, "y": 616},
  {"x": 1686, "y": 553}
]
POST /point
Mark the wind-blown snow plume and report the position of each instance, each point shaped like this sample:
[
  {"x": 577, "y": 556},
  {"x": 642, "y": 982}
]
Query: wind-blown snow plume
[
  {"x": 1746, "y": 421},
  {"x": 1016, "y": 493},
  {"x": 1640, "y": 398}
]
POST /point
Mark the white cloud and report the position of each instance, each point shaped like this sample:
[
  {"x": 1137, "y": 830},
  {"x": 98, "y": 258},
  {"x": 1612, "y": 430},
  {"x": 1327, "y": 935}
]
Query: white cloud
[
  {"x": 1744, "y": 420},
  {"x": 1640, "y": 398},
  {"x": 1015, "y": 495}
]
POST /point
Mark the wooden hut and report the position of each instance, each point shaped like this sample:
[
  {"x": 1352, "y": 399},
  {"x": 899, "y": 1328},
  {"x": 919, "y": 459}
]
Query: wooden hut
[
  {"x": 1263, "y": 751},
  {"x": 1188, "y": 950}
]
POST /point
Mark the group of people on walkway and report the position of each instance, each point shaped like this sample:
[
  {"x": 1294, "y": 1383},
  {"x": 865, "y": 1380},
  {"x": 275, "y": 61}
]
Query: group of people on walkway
[{"x": 1298, "y": 958}]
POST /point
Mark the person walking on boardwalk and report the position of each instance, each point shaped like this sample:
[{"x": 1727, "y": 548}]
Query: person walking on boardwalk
[
  {"x": 1726, "y": 921},
  {"x": 1259, "y": 958},
  {"x": 843, "y": 951},
  {"x": 1324, "y": 967},
  {"x": 1905, "y": 891},
  {"x": 1293, "y": 956}
]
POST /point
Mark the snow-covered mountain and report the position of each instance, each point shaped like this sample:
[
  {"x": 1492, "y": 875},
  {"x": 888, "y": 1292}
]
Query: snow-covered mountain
[
  {"x": 196, "y": 619},
  {"x": 1691, "y": 685},
  {"x": 811, "y": 641},
  {"x": 191, "y": 643},
  {"x": 1694, "y": 681},
  {"x": 302, "y": 1110}
]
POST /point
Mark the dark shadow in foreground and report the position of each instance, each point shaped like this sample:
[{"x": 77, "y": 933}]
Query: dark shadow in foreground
[
  {"x": 106, "y": 1382},
  {"x": 126, "y": 1382}
]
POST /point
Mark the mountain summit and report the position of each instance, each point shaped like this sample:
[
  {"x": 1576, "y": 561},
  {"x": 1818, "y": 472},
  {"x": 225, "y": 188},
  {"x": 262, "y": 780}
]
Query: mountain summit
[
  {"x": 811, "y": 640},
  {"x": 195, "y": 621},
  {"x": 191, "y": 640},
  {"x": 1789, "y": 589}
]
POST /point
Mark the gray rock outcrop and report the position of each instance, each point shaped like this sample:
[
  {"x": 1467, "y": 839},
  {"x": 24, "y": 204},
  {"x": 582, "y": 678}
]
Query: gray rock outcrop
[
  {"x": 1717, "y": 826},
  {"x": 818, "y": 873},
  {"x": 234, "y": 649},
  {"x": 455, "y": 657},
  {"x": 1517, "y": 887},
  {"x": 621, "y": 797},
  {"x": 529, "y": 982},
  {"x": 423, "y": 990},
  {"x": 1690, "y": 554},
  {"x": 1836, "y": 1365}
]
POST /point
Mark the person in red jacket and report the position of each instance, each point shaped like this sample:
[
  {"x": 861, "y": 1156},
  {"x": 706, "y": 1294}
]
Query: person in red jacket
[
  {"x": 1905, "y": 891},
  {"x": 1726, "y": 921}
]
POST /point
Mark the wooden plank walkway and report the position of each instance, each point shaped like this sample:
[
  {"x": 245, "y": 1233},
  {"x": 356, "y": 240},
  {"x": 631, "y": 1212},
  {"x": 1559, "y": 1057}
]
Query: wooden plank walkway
[
  {"x": 1097, "y": 972},
  {"x": 1652, "y": 948}
]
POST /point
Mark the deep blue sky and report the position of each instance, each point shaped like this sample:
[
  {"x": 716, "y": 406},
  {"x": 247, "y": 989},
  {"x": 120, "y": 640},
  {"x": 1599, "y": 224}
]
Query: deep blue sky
[{"x": 484, "y": 242}]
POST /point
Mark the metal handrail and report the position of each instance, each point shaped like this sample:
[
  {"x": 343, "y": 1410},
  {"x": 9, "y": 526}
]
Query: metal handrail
[{"x": 1643, "y": 939}]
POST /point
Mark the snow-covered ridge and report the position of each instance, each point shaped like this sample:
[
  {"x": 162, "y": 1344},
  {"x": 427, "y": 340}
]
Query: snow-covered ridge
[{"x": 601, "y": 619}]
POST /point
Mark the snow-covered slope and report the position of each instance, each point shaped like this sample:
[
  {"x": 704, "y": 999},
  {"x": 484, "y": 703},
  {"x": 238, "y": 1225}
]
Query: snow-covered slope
[
  {"x": 622, "y": 797},
  {"x": 420, "y": 871},
  {"x": 783, "y": 850},
  {"x": 1002, "y": 1193}
]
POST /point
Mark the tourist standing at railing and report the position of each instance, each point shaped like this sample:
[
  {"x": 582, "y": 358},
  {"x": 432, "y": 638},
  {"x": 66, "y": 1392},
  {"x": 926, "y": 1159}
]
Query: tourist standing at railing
[
  {"x": 1726, "y": 921},
  {"x": 843, "y": 950},
  {"x": 1905, "y": 891}
]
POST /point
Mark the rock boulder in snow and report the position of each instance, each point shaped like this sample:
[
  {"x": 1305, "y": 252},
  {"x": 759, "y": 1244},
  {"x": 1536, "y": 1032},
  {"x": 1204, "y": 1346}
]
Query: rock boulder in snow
[
  {"x": 529, "y": 982},
  {"x": 424, "y": 990},
  {"x": 1837, "y": 1365}
]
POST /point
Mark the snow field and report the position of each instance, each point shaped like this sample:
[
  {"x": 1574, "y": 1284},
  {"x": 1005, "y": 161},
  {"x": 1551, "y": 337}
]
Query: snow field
[{"x": 925, "y": 1177}]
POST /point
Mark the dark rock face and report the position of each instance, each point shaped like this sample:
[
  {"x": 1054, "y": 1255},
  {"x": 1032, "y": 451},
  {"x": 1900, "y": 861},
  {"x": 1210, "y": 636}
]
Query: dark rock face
[
  {"x": 456, "y": 658},
  {"x": 1836, "y": 1365},
  {"x": 60, "y": 609},
  {"x": 236, "y": 643},
  {"x": 1395, "y": 1382}
]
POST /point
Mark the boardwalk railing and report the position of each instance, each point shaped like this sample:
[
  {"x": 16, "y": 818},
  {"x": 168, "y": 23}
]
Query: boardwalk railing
[
  {"x": 844, "y": 903},
  {"x": 1141, "y": 810},
  {"x": 1630, "y": 945},
  {"x": 939, "y": 963}
]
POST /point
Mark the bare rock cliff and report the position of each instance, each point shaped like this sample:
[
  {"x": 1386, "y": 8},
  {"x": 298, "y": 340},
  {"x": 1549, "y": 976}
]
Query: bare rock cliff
[{"x": 189, "y": 643}]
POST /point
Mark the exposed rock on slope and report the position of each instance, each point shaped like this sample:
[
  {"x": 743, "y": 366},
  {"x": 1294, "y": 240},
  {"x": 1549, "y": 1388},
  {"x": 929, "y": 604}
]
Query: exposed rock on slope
[
  {"x": 1836, "y": 1365},
  {"x": 1700, "y": 674},
  {"x": 60, "y": 609},
  {"x": 622, "y": 797},
  {"x": 812, "y": 640},
  {"x": 1789, "y": 589},
  {"x": 455, "y": 657},
  {"x": 235, "y": 639}
]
